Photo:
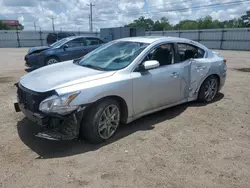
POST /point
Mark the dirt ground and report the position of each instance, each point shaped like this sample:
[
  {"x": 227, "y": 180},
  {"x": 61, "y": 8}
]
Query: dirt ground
[{"x": 191, "y": 145}]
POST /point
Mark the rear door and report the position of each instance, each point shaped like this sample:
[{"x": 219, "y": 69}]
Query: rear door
[
  {"x": 194, "y": 67},
  {"x": 199, "y": 70}
]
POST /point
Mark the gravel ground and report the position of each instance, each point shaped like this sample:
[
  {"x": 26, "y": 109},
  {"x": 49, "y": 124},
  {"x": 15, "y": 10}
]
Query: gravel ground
[{"x": 191, "y": 145}]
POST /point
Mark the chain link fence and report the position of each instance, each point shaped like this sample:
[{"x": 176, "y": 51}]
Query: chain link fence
[
  {"x": 12, "y": 39},
  {"x": 224, "y": 39}
]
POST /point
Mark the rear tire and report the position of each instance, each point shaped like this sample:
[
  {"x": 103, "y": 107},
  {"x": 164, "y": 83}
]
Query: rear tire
[
  {"x": 51, "y": 60},
  {"x": 101, "y": 121},
  {"x": 209, "y": 89}
]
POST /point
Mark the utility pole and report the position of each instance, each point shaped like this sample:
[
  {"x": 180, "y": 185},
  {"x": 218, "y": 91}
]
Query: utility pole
[
  {"x": 89, "y": 23},
  {"x": 91, "y": 17},
  {"x": 53, "y": 25},
  {"x": 35, "y": 26},
  {"x": 79, "y": 31}
]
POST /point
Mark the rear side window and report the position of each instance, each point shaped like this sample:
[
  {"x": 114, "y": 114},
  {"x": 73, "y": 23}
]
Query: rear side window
[
  {"x": 93, "y": 41},
  {"x": 188, "y": 51}
]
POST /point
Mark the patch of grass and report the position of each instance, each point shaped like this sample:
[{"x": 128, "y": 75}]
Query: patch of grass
[
  {"x": 243, "y": 69},
  {"x": 6, "y": 79}
]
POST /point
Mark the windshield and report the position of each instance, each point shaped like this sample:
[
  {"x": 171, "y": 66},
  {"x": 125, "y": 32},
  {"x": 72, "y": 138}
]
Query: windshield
[
  {"x": 113, "y": 56},
  {"x": 59, "y": 43}
]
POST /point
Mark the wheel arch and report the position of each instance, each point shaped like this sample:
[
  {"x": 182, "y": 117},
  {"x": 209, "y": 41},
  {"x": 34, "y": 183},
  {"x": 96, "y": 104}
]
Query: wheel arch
[
  {"x": 216, "y": 75},
  {"x": 50, "y": 56},
  {"x": 122, "y": 103}
]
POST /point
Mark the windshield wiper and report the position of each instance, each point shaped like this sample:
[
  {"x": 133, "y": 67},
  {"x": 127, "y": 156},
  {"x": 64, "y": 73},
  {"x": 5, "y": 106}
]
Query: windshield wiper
[{"x": 92, "y": 67}]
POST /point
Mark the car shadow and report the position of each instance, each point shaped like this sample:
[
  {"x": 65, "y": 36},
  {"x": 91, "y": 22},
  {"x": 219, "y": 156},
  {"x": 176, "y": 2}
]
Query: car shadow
[
  {"x": 57, "y": 149},
  {"x": 29, "y": 69}
]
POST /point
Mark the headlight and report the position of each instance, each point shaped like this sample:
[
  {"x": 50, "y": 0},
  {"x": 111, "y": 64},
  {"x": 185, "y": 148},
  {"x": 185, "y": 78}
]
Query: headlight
[
  {"x": 38, "y": 53},
  {"x": 59, "y": 104}
]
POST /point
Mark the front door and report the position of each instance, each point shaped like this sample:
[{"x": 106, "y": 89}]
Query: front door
[
  {"x": 157, "y": 87},
  {"x": 72, "y": 49},
  {"x": 92, "y": 43}
]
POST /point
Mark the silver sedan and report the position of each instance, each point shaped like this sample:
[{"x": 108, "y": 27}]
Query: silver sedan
[{"x": 117, "y": 83}]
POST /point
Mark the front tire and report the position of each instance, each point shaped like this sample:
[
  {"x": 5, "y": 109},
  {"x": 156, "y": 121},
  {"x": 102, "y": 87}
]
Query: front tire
[
  {"x": 51, "y": 60},
  {"x": 101, "y": 121},
  {"x": 209, "y": 89}
]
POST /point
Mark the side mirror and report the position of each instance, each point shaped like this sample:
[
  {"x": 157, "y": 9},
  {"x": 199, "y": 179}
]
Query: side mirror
[
  {"x": 151, "y": 64},
  {"x": 65, "y": 46}
]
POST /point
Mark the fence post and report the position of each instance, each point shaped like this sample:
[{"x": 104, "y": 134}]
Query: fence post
[
  {"x": 199, "y": 35},
  {"x": 179, "y": 35},
  {"x": 41, "y": 39},
  {"x": 163, "y": 33},
  {"x": 17, "y": 36},
  {"x": 222, "y": 38}
]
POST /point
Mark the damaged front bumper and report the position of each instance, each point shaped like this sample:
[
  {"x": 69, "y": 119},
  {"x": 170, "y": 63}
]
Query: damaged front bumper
[
  {"x": 39, "y": 119},
  {"x": 56, "y": 127}
]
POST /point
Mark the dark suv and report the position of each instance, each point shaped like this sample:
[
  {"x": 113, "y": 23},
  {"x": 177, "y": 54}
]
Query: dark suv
[{"x": 53, "y": 37}]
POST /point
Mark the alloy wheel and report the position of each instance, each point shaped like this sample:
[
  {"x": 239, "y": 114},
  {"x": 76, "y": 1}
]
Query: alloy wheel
[
  {"x": 211, "y": 89},
  {"x": 51, "y": 61},
  {"x": 109, "y": 121}
]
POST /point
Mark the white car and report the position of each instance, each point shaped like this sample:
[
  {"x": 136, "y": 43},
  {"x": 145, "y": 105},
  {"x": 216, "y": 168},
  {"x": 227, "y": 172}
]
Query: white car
[{"x": 117, "y": 83}]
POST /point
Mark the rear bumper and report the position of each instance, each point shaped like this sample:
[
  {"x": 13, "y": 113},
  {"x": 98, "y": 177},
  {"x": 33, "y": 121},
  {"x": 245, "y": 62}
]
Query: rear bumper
[
  {"x": 222, "y": 80},
  {"x": 35, "y": 117}
]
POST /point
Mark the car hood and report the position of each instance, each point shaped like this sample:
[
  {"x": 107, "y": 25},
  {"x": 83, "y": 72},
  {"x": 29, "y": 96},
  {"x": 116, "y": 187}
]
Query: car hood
[
  {"x": 60, "y": 75},
  {"x": 38, "y": 49}
]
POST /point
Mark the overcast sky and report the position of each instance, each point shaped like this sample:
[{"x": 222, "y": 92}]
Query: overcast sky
[{"x": 74, "y": 14}]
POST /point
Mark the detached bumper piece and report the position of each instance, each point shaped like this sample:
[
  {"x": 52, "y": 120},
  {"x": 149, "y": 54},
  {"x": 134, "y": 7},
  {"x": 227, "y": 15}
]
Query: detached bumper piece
[{"x": 54, "y": 135}]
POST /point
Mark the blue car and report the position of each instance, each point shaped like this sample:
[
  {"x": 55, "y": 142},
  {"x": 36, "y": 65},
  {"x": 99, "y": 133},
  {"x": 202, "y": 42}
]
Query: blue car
[{"x": 62, "y": 50}]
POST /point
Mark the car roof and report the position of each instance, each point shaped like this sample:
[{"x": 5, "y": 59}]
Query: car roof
[
  {"x": 151, "y": 39},
  {"x": 75, "y": 37}
]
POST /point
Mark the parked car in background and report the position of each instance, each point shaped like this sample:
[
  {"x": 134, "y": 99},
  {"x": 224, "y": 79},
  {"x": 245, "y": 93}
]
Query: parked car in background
[
  {"x": 65, "y": 49},
  {"x": 53, "y": 37},
  {"x": 117, "y": 83}
]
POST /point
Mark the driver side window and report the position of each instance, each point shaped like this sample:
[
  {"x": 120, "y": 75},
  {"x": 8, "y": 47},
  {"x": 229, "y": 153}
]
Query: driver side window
[
  {"x": 163, "y": 54},
  {"x": 75, "y": 43}
]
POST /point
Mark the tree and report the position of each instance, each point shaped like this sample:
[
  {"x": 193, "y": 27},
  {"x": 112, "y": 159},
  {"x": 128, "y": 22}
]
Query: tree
[
  {"x": 186, "y": 24},
  {"x": 20, "y": 27},
  {"x": 4, "y": 26},
  {"x": 246, "y": 19},
  {"x": 202, "y": 23},
  {"x": 163, "y": 24},
  {"x": 141, "y": 22}
]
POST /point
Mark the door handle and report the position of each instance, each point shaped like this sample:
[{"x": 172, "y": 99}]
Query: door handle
[{"x": 175, "y": 74}]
